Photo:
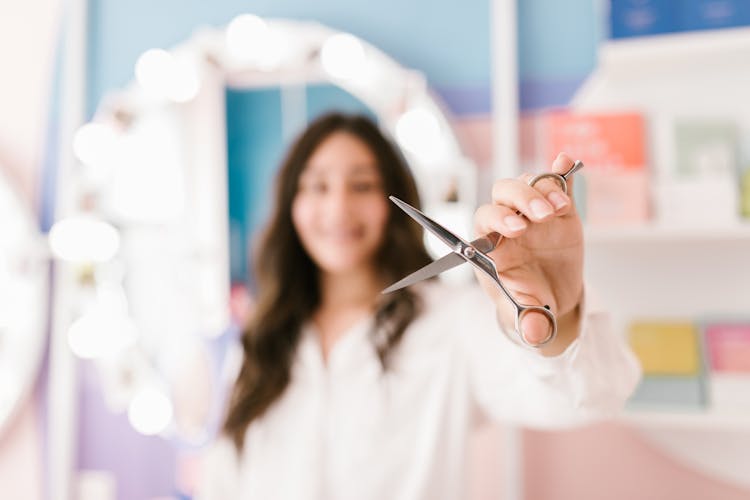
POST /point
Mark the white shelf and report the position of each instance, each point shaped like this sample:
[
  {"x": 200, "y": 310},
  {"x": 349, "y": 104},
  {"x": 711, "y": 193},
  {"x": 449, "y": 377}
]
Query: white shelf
[
  {"x": 682, "y": 47},
  {"x": 739, "y": 232},
  {"x": 697, "y": 420}
]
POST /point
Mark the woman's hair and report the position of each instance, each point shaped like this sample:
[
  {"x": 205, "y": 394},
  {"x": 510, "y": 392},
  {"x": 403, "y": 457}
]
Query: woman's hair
[{"x": 288, "y": 290}]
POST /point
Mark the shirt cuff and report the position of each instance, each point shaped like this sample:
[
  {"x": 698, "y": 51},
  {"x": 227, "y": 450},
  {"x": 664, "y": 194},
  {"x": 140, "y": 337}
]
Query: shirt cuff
[{"x": 590, "y": 307}]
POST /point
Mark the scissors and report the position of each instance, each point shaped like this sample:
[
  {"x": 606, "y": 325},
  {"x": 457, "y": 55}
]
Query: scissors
[{"x": 476, "y": 254}]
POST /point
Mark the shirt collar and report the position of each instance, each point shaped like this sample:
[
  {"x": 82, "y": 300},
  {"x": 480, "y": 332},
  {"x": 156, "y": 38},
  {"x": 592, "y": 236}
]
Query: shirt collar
[{"x": 350, "y": 351}]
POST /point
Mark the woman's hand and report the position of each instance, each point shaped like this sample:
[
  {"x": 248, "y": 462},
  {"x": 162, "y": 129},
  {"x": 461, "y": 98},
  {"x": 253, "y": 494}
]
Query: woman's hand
[{"x": 540, "y": 259}]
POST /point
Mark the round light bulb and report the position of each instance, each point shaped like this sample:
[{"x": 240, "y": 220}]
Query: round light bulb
[
  {"x": 150, "y": 411},
  {"x": 84, "y": 239},
  {"x": 163, "y": 75},
  {"x": 418, "y": 131},
  {"x": 94, "y": 143},
  {"x": 250, "y": 40},
  {"x": 343, "y": 56},
  {"x": 185, "y": 82},
  {"x": 86, "y": 336},
  {"x": 101, "y": 333},
  {"x": 153, "y": 71}
]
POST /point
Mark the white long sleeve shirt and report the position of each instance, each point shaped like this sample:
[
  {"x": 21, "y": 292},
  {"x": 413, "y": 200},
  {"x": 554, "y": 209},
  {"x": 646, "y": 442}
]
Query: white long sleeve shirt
[{"x": 346, "y": 430}]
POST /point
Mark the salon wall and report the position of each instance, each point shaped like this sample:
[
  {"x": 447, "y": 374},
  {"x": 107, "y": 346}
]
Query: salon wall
[
  {"x": 556, "y": 49},
  {"x": 28, "y": 35}
]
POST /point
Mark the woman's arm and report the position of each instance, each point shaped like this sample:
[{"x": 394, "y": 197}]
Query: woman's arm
[{"x": 585, "y": 371}]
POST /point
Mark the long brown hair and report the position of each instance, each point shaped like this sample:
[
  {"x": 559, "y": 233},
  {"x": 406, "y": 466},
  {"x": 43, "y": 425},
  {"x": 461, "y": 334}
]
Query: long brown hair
[{"x": 287, "y": 278}]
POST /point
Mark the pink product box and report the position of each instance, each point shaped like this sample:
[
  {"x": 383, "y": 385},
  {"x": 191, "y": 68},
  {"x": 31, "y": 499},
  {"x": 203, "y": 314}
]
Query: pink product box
[
  {"x": 617, "y": 197},
  {"x": 728, "y": 346}
]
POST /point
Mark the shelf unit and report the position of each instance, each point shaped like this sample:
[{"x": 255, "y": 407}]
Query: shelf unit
[
  {"x": 699, "y": 421},
  {"x": 715, "y": 44},
  {"x": 656, "y": 270},
  {"x": 683, "y": 272},
  {"x": 654, "y": 232}
]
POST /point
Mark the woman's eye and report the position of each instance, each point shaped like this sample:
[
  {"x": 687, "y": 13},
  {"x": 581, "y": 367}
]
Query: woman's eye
[
  {"x": 364, "y": 186},
  {"x": 315, "y": 187}
]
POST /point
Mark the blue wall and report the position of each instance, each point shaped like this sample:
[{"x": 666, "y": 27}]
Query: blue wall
[
  {"x": 557, "y": 49},
  {"x": 448, "y": 41},
  {"x": 254, "y": 143},
  {"x": 450, "y": 45}
]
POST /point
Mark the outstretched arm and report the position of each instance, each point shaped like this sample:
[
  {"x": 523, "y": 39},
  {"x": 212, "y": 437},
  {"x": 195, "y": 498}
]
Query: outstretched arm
[{"x": 586, "y": 369}]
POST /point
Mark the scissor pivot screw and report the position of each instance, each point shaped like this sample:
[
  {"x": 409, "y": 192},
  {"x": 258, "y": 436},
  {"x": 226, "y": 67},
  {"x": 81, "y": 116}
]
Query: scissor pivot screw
[{"x": 469, "y": 252}]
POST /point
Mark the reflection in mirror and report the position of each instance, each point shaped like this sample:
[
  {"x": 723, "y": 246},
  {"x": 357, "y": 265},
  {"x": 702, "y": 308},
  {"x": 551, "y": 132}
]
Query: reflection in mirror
[
  {"x": 23, "y": 301},
  {"x": 181, "y": 162}
]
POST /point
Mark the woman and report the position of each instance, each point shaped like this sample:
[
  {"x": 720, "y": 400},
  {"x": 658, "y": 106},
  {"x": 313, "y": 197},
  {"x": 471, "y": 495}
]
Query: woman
[{"x": 345, "y": 393}]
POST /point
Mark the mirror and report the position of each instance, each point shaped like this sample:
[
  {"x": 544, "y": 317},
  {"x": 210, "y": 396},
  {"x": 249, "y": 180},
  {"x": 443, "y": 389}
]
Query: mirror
[
  {"x": 23, "y": 301},
  {"x": 167, "y": 164}
]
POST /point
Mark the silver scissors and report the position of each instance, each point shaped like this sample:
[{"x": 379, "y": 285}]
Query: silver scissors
[{"x": 476, "y": 254}]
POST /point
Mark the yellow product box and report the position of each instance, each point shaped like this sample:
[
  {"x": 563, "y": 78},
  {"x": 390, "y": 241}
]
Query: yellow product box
[{"x": 666, "y": 348}]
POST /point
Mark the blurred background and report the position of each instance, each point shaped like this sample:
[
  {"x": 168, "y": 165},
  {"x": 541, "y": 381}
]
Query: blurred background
[{"x": 138, "y": 143}]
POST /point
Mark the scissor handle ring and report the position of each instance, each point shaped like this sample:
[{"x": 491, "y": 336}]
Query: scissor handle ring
[
  {"x": 549, "y": 175},
  {"x": 522, "y": 311}
]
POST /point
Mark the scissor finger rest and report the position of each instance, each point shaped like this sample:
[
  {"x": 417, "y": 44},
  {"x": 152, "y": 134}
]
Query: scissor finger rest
[{"x": 523, "y": 310}]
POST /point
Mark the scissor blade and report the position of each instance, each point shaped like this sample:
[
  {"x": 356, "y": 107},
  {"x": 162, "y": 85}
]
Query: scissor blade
[
  {"x": 578, "y": 165},
  {"x": 434, "y": 268},
  {"x": 442, "y": 233},
  {"x": 444, "y": 263}
]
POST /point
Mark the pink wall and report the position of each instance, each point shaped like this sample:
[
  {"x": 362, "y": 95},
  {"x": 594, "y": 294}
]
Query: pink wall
[
  {"x": 475, "y": 135},
  {"x": 487, "y": 464},
  {"x": 20, "y": 456},
  {"x": 606, "y": 461},
  {"x": 612, "y": 462}
]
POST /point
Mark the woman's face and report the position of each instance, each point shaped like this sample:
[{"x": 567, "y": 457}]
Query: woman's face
[{"x": 340, "y": 209}]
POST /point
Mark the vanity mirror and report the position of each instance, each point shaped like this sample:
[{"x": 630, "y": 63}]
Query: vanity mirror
[
  {"x": 23, "y": 300},
  {"x": 179, "y": 163}
]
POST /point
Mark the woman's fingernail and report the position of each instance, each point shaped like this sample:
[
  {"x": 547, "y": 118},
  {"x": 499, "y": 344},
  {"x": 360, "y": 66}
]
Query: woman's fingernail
[
  {"x": 514, "y": 222},
  {"x": 540, "y": 208},
  {"x": 557, "y": 199}
]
